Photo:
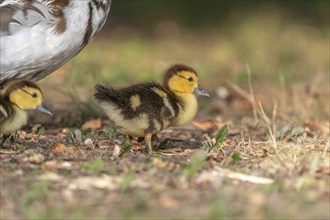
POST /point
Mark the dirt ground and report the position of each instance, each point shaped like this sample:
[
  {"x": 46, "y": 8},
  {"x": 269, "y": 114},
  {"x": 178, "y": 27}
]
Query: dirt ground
[{"x": 93, "y": 171}]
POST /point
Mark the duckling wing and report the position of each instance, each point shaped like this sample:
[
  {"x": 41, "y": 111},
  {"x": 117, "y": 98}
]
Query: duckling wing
[
  {"x": 5, "y": 110},
  {"x": 152, "y": 101},
  {"x": 147, "y": 98}
]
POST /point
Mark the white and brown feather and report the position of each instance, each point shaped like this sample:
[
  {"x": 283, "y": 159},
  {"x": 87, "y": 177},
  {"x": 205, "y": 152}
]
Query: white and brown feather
[{"x": 39, "y": 36}]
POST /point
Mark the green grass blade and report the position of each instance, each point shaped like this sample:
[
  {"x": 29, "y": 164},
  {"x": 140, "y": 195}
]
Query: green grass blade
[{"x": 221, "y": 135}]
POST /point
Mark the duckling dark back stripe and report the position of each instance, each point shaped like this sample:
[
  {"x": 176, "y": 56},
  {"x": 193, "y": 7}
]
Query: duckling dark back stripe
[{"x": 18, "y": 84}]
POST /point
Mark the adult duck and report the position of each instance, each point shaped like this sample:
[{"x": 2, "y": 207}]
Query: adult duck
[{"x": 39, "y": 36}]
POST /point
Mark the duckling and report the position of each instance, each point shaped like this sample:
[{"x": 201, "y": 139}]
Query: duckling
[
  {"x": 17, "y": 97},
  {"x": 146, "y": 109}
]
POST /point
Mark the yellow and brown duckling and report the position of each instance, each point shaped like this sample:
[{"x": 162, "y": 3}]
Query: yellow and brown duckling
[
  {"x": 147, "y": 108},
  {"x": 16, "y": 97}
]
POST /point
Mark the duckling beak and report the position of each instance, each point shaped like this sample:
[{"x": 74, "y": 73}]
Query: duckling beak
[
  {"x": 43, "y": 108},
  {"x": 200, "y": 91}
]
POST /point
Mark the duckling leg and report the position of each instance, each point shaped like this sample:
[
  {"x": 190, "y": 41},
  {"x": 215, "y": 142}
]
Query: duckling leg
[{"x": 147, "y": 139}]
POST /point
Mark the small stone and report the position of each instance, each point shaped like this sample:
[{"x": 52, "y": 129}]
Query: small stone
[{"x": 89, "y": 143}]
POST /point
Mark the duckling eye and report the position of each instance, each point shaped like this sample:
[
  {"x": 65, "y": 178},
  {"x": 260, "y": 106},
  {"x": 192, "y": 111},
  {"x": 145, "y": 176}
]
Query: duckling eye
[
  {"x": 190, "y": 79},
  {"x": 34, "y": 95}
]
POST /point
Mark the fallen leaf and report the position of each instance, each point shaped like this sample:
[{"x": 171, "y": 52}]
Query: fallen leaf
[
  {"x": 61, "y": 147},
  {"x": 208, "y": 125},
  {"x": 136, "y": 145},
  {"x": 92, "y": 124},
  {"x": 323, "y": 171}
]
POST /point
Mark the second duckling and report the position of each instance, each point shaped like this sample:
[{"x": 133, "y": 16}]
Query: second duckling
[
  {"x": 147, "y": 108},
  {"x": 17, "y": 97}
]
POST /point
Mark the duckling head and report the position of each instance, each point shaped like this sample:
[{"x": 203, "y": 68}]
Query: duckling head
[
  {"x": 183, "y": 80},
  {"x": 26, "y": 95}
]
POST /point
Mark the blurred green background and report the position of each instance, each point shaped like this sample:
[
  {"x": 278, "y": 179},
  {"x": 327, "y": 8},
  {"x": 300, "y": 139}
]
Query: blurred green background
[
  {"x": 146, "y": 14},
  {"x": 285, "y": 44}
]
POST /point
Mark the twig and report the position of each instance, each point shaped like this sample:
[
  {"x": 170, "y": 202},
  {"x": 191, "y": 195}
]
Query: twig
[
  {"x": 248, "y": 96},
  {"x": 273, "y": 138},
  {"x": 212, "y": 144},
  {"x": 274, "y": 117},
  {"x": 239, "y": 90},
  {"x": 244, "y": 177},
  {"x": 9, "y": 152},
  {"x": 208, "y": 140},
  {"x": 255, "y": 114},
  {"x": 268, "y": 124},
  {"x": 241, "y": 142}
]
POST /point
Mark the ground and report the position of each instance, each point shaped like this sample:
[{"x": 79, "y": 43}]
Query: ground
[{"x": 273, "y": 162}]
